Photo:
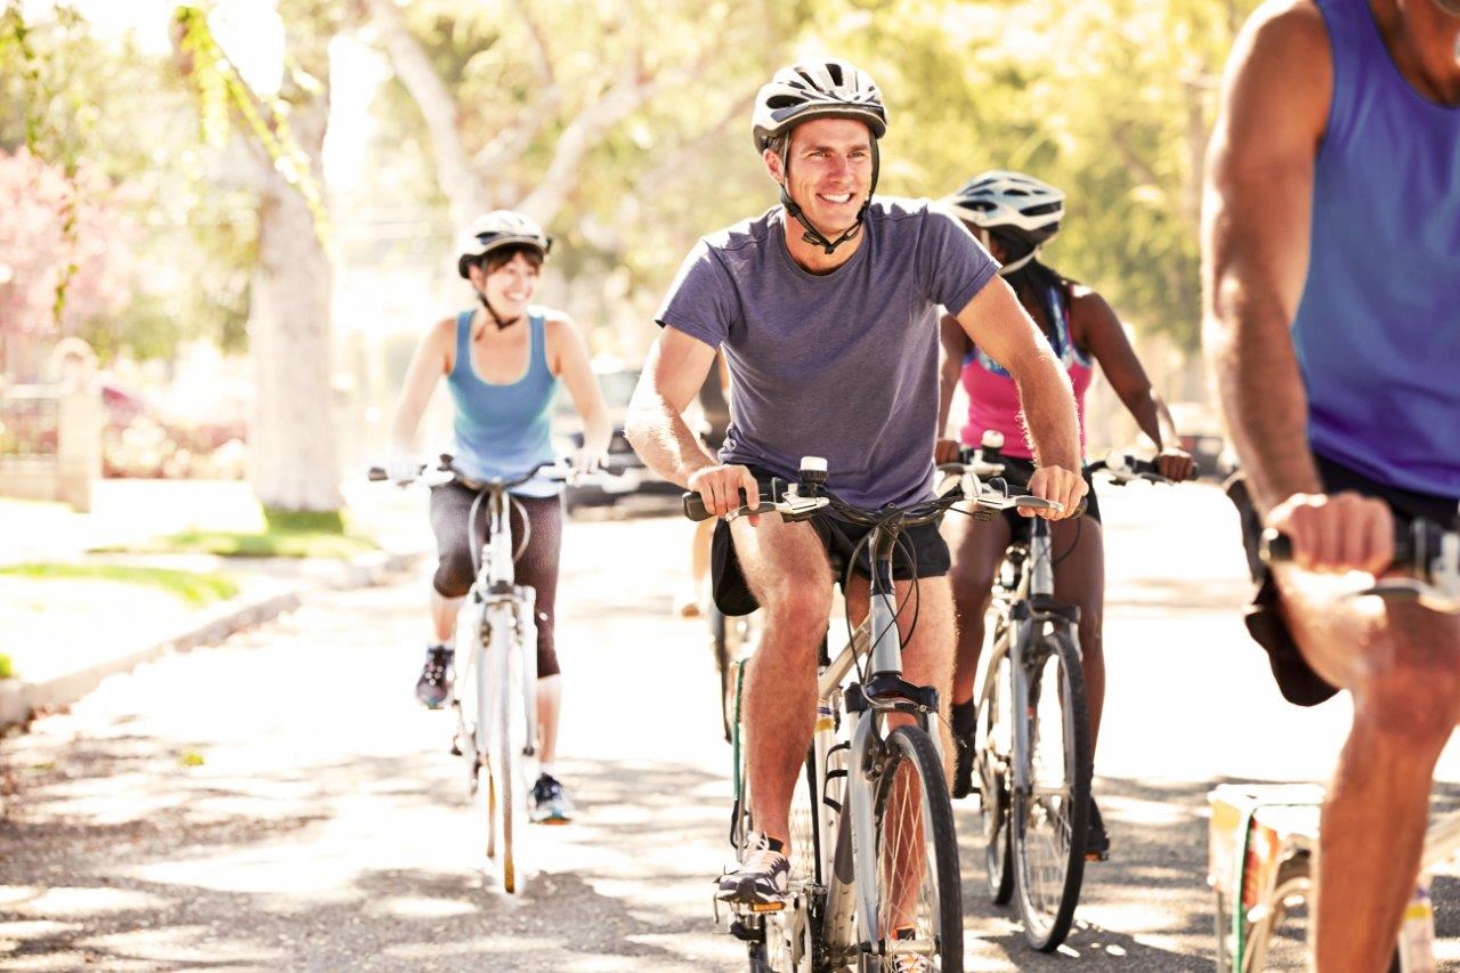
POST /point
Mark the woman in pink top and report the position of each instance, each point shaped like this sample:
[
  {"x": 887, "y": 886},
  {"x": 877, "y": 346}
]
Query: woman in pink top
[{"x": 1014, "y": 215}]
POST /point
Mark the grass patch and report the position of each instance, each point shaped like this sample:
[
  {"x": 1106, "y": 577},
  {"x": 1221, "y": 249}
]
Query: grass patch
[
  {"x": 289, "y": 533},
  {"x": 189, "y": 586},
  {"x": 273, "y": 543},
  {"x": 304, "y": 521}
]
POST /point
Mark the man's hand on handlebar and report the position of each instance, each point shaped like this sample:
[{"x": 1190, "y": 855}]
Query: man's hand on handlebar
[
  {"x": 724, "y": 488},
  {"x": 1065, "y": 487},
  {"x": 1336, "y": 532}
]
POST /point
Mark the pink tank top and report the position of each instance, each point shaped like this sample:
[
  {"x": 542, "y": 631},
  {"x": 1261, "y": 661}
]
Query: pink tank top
[{"x": 993, "y": 398}]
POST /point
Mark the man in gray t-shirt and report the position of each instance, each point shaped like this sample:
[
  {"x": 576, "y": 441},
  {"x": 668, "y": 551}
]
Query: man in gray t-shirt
[{"x": 826, "y": 309}]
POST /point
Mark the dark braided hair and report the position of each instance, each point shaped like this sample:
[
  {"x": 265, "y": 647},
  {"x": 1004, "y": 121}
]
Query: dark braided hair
[{"x": 1034, "y": 281}]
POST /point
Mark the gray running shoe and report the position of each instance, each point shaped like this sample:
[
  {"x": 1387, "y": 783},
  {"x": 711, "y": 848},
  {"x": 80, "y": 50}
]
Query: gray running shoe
[
  {"x": 761, "y": 878},
  {"x": 433, "y": 689},
  {"x": 550, "y": 804}
]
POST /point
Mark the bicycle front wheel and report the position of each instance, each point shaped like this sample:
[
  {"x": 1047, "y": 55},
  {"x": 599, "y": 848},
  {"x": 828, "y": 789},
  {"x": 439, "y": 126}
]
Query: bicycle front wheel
[
  {"x": 919, "y": 897},
  {"x": 509, "y": 778},
  {"x": 1051, "y": 812},
  {"x": 993, "y": 759}
]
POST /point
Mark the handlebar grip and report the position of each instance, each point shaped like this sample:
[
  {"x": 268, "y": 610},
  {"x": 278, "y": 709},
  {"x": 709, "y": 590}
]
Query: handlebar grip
[
  {"x": 694, "y": 506},
  {"x": 1275, "y": 548}
]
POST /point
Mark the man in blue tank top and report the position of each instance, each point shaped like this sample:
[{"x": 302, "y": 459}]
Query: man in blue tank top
[
  {"x": 826, "y": 309},
  {"x": 1332, "y": 322}
]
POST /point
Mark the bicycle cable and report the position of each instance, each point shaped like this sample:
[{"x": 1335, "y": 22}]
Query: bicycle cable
[
  {"x": 513, "y": 502},
  {"x": 915, "y": 594}
]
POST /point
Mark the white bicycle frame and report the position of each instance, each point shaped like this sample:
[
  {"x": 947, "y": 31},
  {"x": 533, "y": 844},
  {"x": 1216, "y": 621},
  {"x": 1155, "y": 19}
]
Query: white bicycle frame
[
  {"x": 498, "y": 621},
  {"x": 851, "y": 883}
]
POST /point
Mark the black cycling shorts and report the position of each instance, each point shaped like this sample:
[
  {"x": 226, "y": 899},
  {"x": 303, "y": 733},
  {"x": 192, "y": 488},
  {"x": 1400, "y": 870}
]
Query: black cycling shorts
[
  {"x": 1265, "y": 623},
  {"x": 921, "y": 553}
]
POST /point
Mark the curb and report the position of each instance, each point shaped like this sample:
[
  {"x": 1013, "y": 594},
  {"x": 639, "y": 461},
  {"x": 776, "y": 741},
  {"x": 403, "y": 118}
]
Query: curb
[{"x": 20, "y": 700}]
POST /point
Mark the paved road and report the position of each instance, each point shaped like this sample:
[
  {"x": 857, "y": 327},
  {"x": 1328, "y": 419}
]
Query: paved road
[{"x": 281, "y": 803}]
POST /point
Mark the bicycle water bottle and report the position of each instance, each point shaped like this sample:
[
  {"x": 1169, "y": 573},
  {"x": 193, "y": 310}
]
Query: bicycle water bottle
[{"x": 1417, "y": 932}]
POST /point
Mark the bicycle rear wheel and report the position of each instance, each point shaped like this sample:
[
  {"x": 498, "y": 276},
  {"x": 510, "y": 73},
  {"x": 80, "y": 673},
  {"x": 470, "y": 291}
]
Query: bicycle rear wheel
[
  {"x": 993, "y": 758},
  {"x": 1051, "y": 814},
  {"x": 919, "y": 897}
]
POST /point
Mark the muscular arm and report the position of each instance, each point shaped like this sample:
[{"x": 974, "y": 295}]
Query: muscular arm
[
  {"x": 1256, "y": 222},
  {"x": 1256, "y": 225},
  {"x": 676, "y": 368},
  {"x": 673, "y": 373}
]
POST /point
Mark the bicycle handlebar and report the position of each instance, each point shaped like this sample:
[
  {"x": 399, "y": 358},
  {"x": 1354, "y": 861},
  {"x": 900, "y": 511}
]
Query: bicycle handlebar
[
  {"x": 554, "y": 470},
  {"x": 792, "y": 505},
  {"x": 1425, "y": 550}
]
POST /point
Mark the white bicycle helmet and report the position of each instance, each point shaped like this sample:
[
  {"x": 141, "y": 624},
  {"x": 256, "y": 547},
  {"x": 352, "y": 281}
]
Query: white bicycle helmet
[
  {"x": 826, "y": 88},
  {"x": 1010, "y": 200},
  {"x": 498, "y": 228}
]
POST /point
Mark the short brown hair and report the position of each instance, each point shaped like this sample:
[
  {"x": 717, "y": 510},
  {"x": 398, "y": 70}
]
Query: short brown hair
[{"x": 496, "y": 259}]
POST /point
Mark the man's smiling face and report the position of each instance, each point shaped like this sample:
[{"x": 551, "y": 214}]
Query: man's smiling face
[{"x": 830, "y": 162}]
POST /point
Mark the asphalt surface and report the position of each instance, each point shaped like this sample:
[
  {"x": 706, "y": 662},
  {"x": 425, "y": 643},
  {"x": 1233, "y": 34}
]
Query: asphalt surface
[{"x": 280, "y": 802}]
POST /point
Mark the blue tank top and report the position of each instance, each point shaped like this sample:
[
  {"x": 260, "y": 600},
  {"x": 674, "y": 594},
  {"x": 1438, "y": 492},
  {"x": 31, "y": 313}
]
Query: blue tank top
[
  {"x": 1378, "y": 327},
  {"x": 504, "y": 430}
]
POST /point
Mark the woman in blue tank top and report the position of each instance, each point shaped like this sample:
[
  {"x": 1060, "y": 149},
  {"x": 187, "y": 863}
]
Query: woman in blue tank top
[{"x": 502, "y": 362}]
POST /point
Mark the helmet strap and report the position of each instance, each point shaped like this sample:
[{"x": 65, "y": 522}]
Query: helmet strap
[
  {"x": 812, "y": 235},
  {"x": 494, "y": 316},
  {"x": 1009, "y": 268}
]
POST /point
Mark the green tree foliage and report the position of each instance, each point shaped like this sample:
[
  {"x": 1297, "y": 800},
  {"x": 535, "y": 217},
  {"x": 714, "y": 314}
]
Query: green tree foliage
[
  {"x": 1111, "y": 100},
  {"x": 102, "y": 106}
]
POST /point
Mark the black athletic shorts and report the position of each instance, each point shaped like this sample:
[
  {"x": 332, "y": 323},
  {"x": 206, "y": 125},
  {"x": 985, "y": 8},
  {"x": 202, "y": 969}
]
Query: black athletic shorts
[
  {"x": 921, "y": 553},
  {"x": 1297, "y": 680}
]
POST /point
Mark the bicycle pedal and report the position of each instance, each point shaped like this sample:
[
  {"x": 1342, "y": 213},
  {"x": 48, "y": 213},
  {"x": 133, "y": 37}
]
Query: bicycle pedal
[{"x": 756, "y": 908}]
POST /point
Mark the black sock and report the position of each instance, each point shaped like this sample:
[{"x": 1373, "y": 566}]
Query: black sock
[{"x": 965, "y": 718}]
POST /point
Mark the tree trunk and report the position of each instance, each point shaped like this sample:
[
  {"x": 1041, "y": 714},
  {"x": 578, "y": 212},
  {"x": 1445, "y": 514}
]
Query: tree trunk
[{"x": 293, "y": 465}]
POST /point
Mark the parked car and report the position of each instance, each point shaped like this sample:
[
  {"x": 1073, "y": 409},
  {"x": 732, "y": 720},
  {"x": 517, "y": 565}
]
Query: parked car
[{"x": 638, "y": 486}]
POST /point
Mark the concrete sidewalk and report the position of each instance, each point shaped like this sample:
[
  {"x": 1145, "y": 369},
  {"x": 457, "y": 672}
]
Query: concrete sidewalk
[{"x": 64, "y": 637}]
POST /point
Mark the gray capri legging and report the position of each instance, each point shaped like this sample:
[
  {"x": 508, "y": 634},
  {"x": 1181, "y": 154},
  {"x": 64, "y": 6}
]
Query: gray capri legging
[{"x": 537, "y": 568}]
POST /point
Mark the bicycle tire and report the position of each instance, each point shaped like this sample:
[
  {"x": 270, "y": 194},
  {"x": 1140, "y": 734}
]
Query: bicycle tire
[
  {"x": 720, "y": 647},
  {"x": 993, "y": 759},
  {"x": 508, "y": 777},
  {"x": 913, "y": 817},
  {"x": 1050, "y": 822},
  {"x": 1260, "y": 935}
]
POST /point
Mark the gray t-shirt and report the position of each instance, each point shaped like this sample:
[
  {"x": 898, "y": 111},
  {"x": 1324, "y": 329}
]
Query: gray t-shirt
[{"x": 842, "y": 365}]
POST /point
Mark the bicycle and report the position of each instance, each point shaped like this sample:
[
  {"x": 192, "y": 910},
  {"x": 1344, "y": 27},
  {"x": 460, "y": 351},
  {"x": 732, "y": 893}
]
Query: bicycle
[
  {"x": 494, "y": 696},
  {"x": 847, "y": 893},
  {"x": 1034, "y": 786},
  {"x": 1262, "y": 863}
]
